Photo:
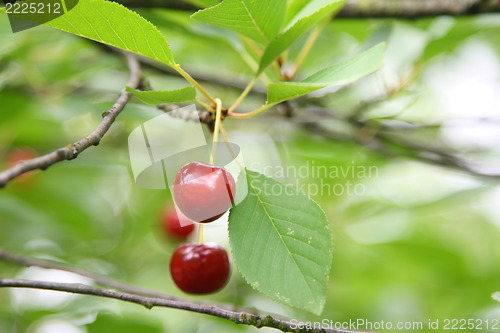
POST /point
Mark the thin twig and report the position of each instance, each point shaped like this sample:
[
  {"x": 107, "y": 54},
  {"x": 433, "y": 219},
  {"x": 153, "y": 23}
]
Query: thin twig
[{"x": 73, "y": 150}]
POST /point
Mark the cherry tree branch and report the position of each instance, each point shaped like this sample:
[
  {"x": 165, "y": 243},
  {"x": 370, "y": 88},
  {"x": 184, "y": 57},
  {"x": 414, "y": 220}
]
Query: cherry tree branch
[
  {"x": 140, "y": 296},
  {"x": 73, "y": 150},
  {"x": 150, "y": 302}
]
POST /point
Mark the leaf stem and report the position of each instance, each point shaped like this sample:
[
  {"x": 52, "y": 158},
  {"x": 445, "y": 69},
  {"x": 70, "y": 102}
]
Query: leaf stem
[
  {"x": 259, "y": 53},
  {"x": 253, "y": 113},
  {"x": 252, "y": 45},
  {"x": 190, "y": 79},
  {"x": 304, "y": 52},
  {"x": 243, "y": 95}
]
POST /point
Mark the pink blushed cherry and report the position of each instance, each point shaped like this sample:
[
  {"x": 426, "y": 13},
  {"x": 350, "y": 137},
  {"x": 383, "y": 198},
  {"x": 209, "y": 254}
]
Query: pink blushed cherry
[{"x": 203, "y": 192}]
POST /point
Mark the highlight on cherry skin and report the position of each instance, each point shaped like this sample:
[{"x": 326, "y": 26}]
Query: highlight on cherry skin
[
  {"x": 200, "y": 268},
  {"x": 203, "y": 192},
  {"x": 174, "y": 224}
]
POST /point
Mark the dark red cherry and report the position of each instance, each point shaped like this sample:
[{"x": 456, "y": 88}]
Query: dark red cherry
[
  {"x": 203, "y": 192},
  {"x": 200, "y": 268},
  {"x": 175, "y": 225}
]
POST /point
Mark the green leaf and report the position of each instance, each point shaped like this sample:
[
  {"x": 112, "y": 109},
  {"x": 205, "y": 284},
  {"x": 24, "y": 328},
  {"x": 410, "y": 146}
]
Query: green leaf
[
  {"x": 259, "y": 20},
  {"x": 341, "y": 73},
  {"x": 293, "y": 8},
  {"x": 306, "y": 17},
  {"x": 112, "y": 24},
  {"x": 282, "y": 243},
  {"x": 166, "y": 96}
]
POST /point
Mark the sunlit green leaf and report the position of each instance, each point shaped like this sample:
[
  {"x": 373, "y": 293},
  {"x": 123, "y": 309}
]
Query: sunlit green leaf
[
  {"x": 281, "y": 243},
  {"x": 112, "y": 24},
  {"x": 166, "y": 96},
  {"x": 341, "y": 73},
  {"x": 305, "y": 18},
  {"x": 259, "y": 20}
]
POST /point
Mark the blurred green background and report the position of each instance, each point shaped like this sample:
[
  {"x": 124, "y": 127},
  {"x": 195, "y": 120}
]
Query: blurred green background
[{"x": 418, "y": 242}]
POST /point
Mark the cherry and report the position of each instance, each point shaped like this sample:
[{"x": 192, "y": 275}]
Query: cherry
[
  {"x": 203, "y": 192},
  {"x": 199, "y": 268},
  {"x": 175, "y": 225}
]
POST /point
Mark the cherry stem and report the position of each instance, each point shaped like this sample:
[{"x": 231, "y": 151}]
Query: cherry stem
[
  {"x": 195, "y": 83},
  {"x": 218, "y": 116},
  {"x": 243, "y": 95},
  {"x": 200, "y": 233},
  {"x": 224, "y": 135}
]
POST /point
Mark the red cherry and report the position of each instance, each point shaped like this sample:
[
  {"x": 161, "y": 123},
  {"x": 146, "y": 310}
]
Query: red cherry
[
  {"x": 203, "y": 192},
  {"x": 175, "y": 225},
  {"x": 199, "y": 268}
]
